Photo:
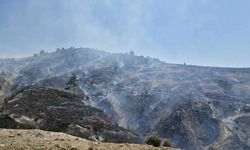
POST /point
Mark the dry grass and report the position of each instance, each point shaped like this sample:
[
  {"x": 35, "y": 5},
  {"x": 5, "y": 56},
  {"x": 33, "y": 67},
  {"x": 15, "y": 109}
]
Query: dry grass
[{"x": 42, "y": 140}]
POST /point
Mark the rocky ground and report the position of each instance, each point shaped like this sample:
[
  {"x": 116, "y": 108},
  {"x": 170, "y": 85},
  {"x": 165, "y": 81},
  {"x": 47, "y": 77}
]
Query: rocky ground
[{"x": 41, "y": 140}]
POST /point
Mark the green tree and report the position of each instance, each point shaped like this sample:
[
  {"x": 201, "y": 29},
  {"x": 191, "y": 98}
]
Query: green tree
[
  {"x": 73, "y": 83},
  {"x": 153, "y": 140}
]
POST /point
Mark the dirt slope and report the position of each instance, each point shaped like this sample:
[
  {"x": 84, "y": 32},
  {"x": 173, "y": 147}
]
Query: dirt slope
[{"x": 41, "y": 140}]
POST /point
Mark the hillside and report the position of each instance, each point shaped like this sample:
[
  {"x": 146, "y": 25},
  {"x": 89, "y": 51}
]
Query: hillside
[
  {"x": 37, "y": 139},
  {"x": 53, "y": 110},
  {"x": 198, "y": 108}
]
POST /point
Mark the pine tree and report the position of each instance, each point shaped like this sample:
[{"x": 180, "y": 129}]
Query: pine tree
[{"x": 73, "y": 83}]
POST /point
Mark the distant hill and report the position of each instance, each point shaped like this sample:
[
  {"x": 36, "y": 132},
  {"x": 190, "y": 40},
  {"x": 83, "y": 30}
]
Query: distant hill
[{"x": 196, "y": 107}]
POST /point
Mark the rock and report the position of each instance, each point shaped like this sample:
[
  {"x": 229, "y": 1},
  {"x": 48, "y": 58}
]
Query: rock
[
  {"x": 79, "y": 131},
  {"x": 38, "y": 135},
  {"x": 100, "y": 139},
  {"x": 93, "y": 138}
]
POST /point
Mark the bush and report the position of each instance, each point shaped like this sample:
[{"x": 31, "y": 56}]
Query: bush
[
  {"x": 166, "y": 143},
  {"x": 153, "y": 140},
  {"x": 40, "y": 115}
]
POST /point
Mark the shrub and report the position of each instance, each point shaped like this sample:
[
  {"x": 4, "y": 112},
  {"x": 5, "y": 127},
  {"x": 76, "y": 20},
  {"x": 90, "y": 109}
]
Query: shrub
[
  {"x": 90, "y": 148},
  {"x": 153, "y": 140},
  {"x": 166, "y": 143},
  {"x": 40, "y": 115}
]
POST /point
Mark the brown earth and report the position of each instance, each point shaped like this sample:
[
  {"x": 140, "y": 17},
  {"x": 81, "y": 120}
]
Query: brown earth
[{"x": 12, "y": 139}]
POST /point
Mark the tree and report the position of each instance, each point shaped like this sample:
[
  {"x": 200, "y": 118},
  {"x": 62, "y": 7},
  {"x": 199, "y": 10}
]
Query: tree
[
  {"x": 153, "y": 140},
  {"x": 58, "y": 50},
  {"x": 72, "y": 83},
  {"x": 166, "y": 143},
  {"x": 132, "y": 53},
  {"x": 35, "y": 55},
  {"x": 42, "y": 53}
]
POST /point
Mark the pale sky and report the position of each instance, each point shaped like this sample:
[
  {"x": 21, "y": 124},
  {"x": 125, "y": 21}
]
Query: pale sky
[{"x": 198, "y": 32}]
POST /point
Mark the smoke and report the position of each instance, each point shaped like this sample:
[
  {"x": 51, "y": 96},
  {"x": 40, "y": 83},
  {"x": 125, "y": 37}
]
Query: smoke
[
  {"x": 42, "y": 24},
  {"x": 196, "y": 32}
]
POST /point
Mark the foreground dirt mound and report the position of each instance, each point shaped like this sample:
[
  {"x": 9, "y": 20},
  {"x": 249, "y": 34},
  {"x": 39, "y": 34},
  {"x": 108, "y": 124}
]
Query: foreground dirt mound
[
  {"x": 42, "y": 140},
  {"x": 59, "y": 111}
]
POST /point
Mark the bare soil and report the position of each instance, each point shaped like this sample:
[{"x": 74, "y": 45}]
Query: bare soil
[{"x": 11, "y": 139}]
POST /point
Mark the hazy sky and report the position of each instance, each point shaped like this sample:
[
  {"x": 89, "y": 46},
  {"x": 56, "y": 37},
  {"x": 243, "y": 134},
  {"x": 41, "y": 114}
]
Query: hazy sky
[{"x": 199, "y": 32}]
